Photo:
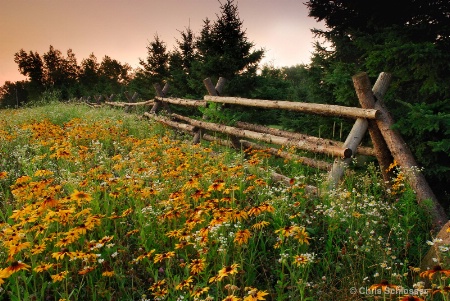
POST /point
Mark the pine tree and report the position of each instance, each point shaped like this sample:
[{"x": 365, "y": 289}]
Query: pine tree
[
  {"x": 223, "y": 47},
  {"x": 156, "y": 65}
]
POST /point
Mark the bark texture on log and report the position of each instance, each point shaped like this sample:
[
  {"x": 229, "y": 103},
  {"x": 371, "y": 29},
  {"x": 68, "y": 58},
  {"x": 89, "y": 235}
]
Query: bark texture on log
[
  {"x": 404, "y": 157},
  {"x": 167, "y": 121},
  {"x": 300, "y": 144},
  {"x": 363, "y": 150},
  {"x": 123, "y": 104},
  {"x": 354, "y": 138},
  {"x": 312, "y": 108},
  {"x": 161, "y": 93},
  {"x": 182, "y": 101},
  {"x": 214, "y": 91},
  {"x": 322, "y": 165},
  {"x": 366, "y": 99}
]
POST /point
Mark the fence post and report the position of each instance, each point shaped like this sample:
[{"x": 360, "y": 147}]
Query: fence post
[
  {"x": 366, "y": 97},
  {"x": 213, "y": 91},
  {"x": 160, "y": 93},
  {"x": 110, "y": 98},
  {"x": 130, "y": 99},
  {"x": 359, "y": 129},
  {"x": 402, "y": 154}
]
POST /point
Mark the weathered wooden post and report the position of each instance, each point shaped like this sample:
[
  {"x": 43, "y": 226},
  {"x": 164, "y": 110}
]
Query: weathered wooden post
[
  {"x": 98, "y": 99},
  {"x": 400, "y": 151},
  {"x": 160, "y": 93},
  {"x": 364, "y": 93},
  {"x": 109, "y": 98},
  {"x": 366, "y": 97},
  {"x": 130, "y": 99},
  {"x": 214, "y": 91}
]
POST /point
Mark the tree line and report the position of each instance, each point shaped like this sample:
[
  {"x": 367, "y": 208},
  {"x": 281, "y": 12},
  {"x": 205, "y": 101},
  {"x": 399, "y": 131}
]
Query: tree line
[{"x": 410, "y": 40}]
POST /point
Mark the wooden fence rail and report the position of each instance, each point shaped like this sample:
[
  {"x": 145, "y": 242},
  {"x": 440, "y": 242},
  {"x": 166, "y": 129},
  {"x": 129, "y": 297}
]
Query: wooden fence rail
[{"x": 373, "y": 116}]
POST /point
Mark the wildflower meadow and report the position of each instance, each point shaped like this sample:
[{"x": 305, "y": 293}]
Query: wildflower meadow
[{"x": 96, "y": 204}]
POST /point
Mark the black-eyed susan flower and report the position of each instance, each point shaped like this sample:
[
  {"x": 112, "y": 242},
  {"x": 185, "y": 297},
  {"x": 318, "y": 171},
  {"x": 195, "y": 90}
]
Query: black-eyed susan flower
[
  {"x": 163, "y": 256},
  {"x": 197, "y": 292},
  {"x": 160, "y": 293},
  {"x": 231, "y": 298},
  {"x": 3, "y": 175},
  {"x": 43, "y": 267},
  {"x": 61, "y": 254},
  {"x": 287, "y": 230},
  {"x": 4, "y": 274},
  {"x": 301, "y": 235},
  {"x": 17, "y": 266},
  {"x": 437, "y": 269},
  {"x": 108, "y": 274},
  {"x": 443, "y": 291},
  {"x": 260, "y": 225},
  {"x": 157, "y": 285},
  {"x": 242, "y": 236},
  {"x": 80, "y": 197},
  {"x": 182, "y": 244},
  {"x": 218, "y": 185},
  {"x": 225, "y": 272},
  {"x": 196, "y": 266},
  {"x": 185, "y": 283},
  {"x": 253, "y": 294},
  {"x": 38, "y": 249},
  {"x": 17, "y": 247},
  {"x": 383, "y": 285},
  {"x": 60, "y": 276},
  {"x": 301, "y": 259}
]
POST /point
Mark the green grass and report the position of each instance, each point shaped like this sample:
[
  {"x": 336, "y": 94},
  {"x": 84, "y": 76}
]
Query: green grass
[{"x": 101, "y": 205}]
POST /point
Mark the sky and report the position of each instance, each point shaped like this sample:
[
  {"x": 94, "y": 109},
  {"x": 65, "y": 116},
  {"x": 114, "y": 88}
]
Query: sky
[{"x": 122, "y": 29}]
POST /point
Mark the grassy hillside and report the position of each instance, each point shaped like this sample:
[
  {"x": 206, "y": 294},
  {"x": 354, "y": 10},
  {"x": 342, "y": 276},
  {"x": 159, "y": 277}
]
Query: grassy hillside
[{"x": 99, "y": 205}]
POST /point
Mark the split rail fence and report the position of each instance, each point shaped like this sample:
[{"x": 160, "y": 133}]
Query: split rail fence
[{"x": 372, "y": 117}]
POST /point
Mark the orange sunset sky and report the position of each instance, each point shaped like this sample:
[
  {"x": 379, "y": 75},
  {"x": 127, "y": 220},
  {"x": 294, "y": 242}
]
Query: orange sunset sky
[{"x": 122, "y": 29}]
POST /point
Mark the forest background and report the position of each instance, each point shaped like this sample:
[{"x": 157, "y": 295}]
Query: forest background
[{"x": 411, "y": 41}]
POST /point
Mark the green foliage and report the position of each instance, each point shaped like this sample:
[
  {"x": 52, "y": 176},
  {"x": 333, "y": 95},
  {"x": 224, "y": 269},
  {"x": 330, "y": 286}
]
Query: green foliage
[
  {"x": 223, "y": 49},
  {"x": 156, "y": 65},
  {"x": 14, "y": 94},
  {"x": 216, "y": 113},
  {"x": 412, "y": 44}
]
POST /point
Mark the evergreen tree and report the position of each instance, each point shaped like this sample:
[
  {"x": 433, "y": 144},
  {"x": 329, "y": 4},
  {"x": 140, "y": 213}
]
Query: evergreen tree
[
  {"x": 156, "y": 65},
  {"x": 14, "y": 94},
  {"x": 114, "y": 76},
  {"x": 223, "y": 49},
  {"x": 89, "y": 75},
  {"x": 411, "y": 40},
  {"x": 180, "y": 61},
  {"x": 31, "y": 65}
]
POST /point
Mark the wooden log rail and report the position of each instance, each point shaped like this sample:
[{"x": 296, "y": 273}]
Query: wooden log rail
[
  {"x": 312, "y": 108},
  {"x": 182, "y": 101},
  {"x": 322, "y": 165},
  {"x": 269, "y": 138},
  {"x": 131, "y": 104},
  {"x": 363, "y": 150}
]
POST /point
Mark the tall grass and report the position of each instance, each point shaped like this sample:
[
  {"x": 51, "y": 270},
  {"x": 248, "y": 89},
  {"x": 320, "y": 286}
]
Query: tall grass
[{"x": 98, "y": 205}]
